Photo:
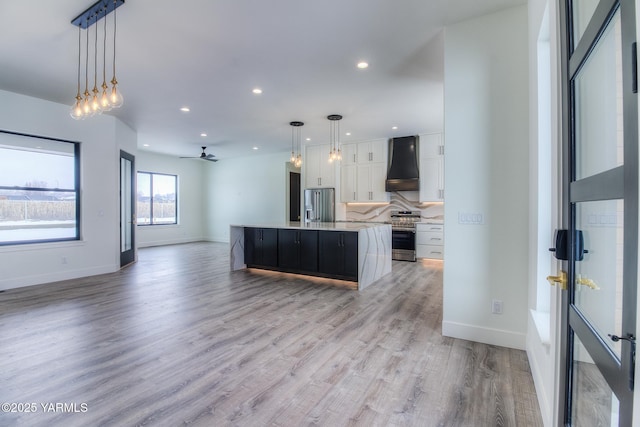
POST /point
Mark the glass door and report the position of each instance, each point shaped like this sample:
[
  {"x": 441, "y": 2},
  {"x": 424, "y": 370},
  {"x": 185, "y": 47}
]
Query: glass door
[
  {"x": 127, "y": 209},
  {"x": 599, "y": 210}
]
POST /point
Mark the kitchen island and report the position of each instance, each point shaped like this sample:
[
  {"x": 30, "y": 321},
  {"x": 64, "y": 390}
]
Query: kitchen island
[{"x": 353, "y": 251}]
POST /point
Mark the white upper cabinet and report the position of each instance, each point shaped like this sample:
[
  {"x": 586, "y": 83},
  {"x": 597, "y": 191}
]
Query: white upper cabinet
[
  {"x": 363, "y": 172},
  {"x": 349, "y": 154},
  {"x": 372, "y": 151},
  {"x": 431, "y": 168},
  {"x": 319, "y": 173}
]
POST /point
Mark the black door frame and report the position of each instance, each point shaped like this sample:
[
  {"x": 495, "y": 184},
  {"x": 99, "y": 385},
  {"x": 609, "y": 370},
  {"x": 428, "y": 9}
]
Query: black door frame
[
  {"x": 127, "y": 257},
  {"x": 617, "y": 183}
]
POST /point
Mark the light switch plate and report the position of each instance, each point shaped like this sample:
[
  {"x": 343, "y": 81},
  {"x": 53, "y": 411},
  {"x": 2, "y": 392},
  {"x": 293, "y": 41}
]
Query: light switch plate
[{"x": 471, "y": 218}]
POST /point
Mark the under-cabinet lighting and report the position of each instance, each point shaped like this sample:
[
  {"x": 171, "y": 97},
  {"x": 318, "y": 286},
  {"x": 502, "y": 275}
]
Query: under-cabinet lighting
[{"x": 368, "y": 203}]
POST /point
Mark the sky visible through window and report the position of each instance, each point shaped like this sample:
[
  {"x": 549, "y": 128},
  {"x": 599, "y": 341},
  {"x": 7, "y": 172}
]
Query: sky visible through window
[{"x": 20, "y": 168}]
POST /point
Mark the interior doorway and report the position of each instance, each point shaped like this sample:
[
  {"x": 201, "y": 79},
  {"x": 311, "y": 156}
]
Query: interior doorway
[
  {"x": 127, "y": 208},
  {"x": 294, "y": 196}
]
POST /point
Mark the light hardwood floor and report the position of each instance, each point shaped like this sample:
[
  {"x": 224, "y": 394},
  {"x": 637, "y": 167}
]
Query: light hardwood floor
[{"x": 178, "y": 339}]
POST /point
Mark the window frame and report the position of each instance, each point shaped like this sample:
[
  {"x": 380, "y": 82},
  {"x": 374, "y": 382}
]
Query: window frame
[
  {"x": 151, "y": 217},
  {"x": 76, "y": 190}
]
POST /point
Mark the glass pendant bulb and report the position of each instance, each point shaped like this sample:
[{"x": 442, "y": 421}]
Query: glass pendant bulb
[
  {"x": 76, "y": 110},
  {"x": 86, "y": 105},
  {"x": 95, "y": 102},
  {"x": 293, "y": 157},
  {"x": 105, "y": 104},
  {"x": 115, "y": 99}
]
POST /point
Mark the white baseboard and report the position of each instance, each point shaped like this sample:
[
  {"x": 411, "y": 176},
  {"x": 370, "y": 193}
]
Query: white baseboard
[
  {"x": 534, "y": 347},
  {"x": 151, "y": 243},
  {"x": 40, "y": 279},
  {"x": 490, "y": 336}
]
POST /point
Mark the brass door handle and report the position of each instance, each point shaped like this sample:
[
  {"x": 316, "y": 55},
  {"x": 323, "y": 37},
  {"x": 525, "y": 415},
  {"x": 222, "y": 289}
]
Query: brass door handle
[
  {"x": 587, "y": 282},
  {"x": 560, "y": 279}
]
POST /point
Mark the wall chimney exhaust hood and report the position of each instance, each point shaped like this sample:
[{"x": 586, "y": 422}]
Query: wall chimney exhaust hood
[{"x": 403, "y": 174}]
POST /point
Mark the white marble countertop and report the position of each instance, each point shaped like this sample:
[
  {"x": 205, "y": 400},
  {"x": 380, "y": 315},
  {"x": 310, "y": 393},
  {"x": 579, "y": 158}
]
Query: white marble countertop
[{"x": 327, "y": 226}]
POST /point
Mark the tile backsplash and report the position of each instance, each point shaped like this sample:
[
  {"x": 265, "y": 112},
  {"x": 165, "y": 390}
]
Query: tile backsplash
[{"x": 403, "y": 200}]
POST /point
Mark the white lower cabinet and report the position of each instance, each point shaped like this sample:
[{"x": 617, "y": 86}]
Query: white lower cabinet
[{"x": 429, "y": 240}]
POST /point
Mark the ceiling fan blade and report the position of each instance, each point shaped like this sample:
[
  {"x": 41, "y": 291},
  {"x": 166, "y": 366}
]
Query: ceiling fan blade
[{"x": 203, "y": 156}]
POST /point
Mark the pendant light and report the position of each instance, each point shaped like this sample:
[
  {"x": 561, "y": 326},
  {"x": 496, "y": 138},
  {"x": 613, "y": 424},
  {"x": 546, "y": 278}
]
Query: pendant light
[
  {"x": 86, "y": 105},
  {"x": 104, "y": 97},
  {"x": 115, "y": 100},
  {"x": 93, "y": 101},
  {"x": 76, "y": 109},
  {"x": 296, "y": 159},
  {"x": 335, "y": 152}
]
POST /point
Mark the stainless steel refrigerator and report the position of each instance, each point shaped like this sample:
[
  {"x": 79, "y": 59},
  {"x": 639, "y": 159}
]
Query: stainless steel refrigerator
[{"x": 319, "y": 205}]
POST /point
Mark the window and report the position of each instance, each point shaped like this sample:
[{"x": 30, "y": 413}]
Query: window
[
  {"x": 157, "y": 198},
  {"x": 39, "y": 189}
]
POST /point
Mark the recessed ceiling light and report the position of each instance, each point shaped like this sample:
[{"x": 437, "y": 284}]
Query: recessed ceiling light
[
  {"x": 185, "y": 109},
  {"x": 308, "y": 139},
  {"x": 203, "y": 134},
  {"x": 257, "y": 91},
  {"x": 255, "y": 148},
  {"x": 348, "y": 133},
  {"x": 362, "y": 65},
  {"x": 394, "y": 127},
  {"x": 145, "y": 145}
]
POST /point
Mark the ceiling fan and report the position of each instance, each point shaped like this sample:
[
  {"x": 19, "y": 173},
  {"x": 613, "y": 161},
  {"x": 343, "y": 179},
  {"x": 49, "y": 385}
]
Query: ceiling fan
[{"x": 203, "y": 156}]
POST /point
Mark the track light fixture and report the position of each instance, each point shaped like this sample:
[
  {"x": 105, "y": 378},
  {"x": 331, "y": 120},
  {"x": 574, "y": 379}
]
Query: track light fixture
[{"x": 93, "y": 102}]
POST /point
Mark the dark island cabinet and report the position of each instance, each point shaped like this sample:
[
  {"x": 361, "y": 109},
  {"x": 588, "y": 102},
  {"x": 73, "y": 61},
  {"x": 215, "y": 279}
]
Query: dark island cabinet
[
  {"x": 339, "y": 254},
  {"x": 298, "y": 250},
  {"x": 261, "y": 247}
]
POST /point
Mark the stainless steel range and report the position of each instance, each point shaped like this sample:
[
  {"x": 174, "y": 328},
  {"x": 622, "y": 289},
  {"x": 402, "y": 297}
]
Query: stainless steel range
[{"x": 403, "y": 235}]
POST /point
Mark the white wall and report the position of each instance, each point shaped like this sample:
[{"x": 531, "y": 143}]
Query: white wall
[
  {"x": 544, "y": 133},
  {"x": 486, "y": 172},
  {"x": 191, "y": 176},
  {"x": 247, "y": 190},
  {"x": 101, "y": 139}
]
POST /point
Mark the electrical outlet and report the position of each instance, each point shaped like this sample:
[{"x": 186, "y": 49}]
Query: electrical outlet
[{"x": 496, "y": 306}]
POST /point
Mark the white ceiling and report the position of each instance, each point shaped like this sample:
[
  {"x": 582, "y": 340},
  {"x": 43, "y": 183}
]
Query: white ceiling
[{"x": 210, "y": 54}]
